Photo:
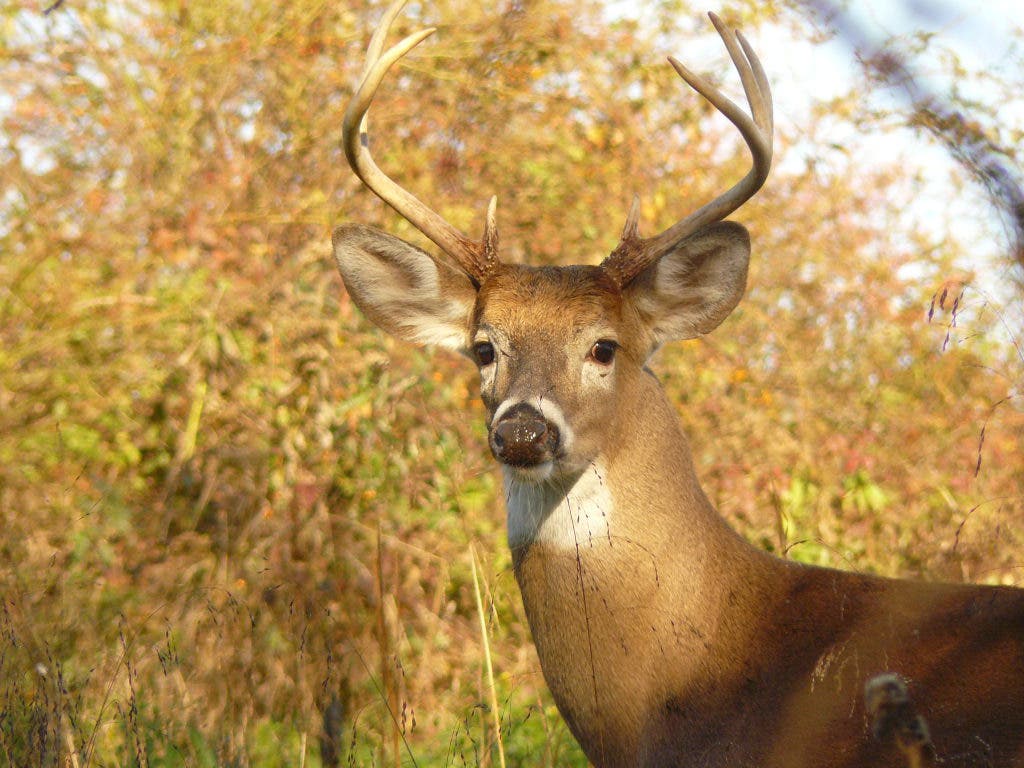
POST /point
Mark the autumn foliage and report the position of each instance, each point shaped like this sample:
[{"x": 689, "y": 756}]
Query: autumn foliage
[{"x": 236, "y": 520}]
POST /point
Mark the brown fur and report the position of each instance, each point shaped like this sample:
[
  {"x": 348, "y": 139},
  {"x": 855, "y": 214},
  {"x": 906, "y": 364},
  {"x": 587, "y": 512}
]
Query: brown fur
[{"x": 676, "y": 643}]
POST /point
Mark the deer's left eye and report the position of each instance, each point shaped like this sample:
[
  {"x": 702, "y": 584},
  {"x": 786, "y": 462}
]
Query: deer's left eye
[
  {"x": 603, "y": 351},
  {"x": 484, "y": 352}
]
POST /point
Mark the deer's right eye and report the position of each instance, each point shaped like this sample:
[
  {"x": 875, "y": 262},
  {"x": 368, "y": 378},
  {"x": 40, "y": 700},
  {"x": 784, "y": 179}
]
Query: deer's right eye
[
  {"x": 484, "y": 352},
  {"x": 603, "y": 351}
]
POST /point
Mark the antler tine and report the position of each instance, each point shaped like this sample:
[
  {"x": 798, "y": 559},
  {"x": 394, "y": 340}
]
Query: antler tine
[
  {"x": 634, "y": 254},
  {"x": 762, "y": 102},
  {"x": 477, "y": 259}
]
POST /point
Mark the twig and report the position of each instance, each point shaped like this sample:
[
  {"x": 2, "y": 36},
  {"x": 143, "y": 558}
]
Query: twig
[
  {"x": 496, "y": 713},
  {"x": 383, "y": 639}
]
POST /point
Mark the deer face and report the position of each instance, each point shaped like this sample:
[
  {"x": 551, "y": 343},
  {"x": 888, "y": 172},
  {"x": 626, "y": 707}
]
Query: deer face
[
  {"x": 552, "y": 346},
  {"x": 559, "y": 349}
]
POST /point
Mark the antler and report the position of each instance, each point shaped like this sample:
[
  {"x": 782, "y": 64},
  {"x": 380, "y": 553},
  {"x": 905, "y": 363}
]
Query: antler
[
  {"x": 633, "y": 253},
  {"x": 477, "y": 259}
]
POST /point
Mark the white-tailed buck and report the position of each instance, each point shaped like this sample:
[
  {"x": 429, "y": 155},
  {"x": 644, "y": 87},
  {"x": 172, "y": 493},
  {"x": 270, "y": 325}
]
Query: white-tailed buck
[{"x": 666, "y": 639}]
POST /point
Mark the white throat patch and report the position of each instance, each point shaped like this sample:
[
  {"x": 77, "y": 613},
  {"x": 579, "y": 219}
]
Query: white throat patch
[{"x": 564, "y": 518}]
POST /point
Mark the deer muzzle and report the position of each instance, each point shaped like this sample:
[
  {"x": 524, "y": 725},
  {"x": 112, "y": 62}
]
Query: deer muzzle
[{"x": 524, "y": 438}]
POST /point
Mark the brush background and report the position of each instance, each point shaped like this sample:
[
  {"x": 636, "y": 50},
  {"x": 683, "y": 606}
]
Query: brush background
[{"x": 236, "y": 520}]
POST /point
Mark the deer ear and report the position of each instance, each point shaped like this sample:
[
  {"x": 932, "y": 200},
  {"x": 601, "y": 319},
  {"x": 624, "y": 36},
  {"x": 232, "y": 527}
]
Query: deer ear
[
  {"x": 402, "y": 289},
  {"x": 691, "y": 289}
]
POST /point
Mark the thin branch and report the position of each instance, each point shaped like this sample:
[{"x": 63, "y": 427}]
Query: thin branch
[{"x": 990, "y": 165}]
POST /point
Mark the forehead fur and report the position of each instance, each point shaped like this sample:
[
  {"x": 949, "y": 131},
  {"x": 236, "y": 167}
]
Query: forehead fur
[{"x": 519, "y": 297}]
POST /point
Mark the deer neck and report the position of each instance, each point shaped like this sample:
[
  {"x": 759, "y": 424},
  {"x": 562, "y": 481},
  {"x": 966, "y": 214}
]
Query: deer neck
[
  {"x": 630, "y": 579},
  {"x": 641, "y": 490}
]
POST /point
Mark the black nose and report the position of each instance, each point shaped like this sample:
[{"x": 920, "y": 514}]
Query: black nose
[{"x": 524, "y": 438}]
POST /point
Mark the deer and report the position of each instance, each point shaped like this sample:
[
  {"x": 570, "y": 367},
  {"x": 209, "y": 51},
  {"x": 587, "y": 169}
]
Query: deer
[{"x": 664, "y": 637}]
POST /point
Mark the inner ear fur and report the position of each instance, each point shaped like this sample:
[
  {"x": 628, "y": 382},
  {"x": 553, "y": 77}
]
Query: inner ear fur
[
  {"x": 403, "y": 289},
  {"x": 691, "y": 289}
]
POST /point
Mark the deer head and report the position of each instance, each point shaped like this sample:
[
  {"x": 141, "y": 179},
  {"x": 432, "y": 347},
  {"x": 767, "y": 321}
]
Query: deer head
[{"x": 559, "y": 349}]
